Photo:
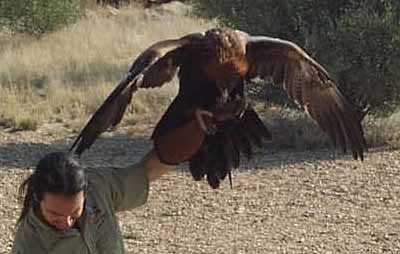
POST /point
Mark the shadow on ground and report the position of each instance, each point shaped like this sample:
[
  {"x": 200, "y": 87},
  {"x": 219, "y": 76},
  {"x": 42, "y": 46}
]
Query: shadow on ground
[
  {"x": 123, "y": 149},
  {"x": 116, "y": 150}
]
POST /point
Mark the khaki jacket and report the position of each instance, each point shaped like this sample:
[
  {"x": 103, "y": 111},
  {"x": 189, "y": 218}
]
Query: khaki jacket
[{"x": 109, "y": 191}]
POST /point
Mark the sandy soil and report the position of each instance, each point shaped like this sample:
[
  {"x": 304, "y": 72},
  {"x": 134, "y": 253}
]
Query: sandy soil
[{"x": 285, "y": 202}]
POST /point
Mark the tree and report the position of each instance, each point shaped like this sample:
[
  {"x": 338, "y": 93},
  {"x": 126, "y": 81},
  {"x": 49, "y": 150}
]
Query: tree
[{"x": 357, "y": 40}]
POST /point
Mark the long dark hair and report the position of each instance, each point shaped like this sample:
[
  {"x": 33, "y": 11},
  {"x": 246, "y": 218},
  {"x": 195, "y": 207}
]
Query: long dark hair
[{"x": 56, "y": 172}]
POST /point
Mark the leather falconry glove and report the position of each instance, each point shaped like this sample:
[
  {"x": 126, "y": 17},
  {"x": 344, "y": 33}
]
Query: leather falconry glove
[{"x": 181, "y": 143}]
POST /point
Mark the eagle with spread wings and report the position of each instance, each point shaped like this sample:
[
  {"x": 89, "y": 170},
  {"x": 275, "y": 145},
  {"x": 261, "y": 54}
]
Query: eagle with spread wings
[{"x": 214, "y": 68}]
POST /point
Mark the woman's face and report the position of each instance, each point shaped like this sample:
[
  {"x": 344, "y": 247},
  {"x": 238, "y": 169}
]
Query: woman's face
[{"x": 62, "y": 211}]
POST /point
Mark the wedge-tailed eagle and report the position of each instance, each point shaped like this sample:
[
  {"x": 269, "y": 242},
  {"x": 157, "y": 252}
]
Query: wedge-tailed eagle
[{"x": 215, "y": 68}]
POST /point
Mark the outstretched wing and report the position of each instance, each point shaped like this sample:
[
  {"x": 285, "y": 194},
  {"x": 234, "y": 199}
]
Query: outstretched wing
[
  {"x": 154, "y": 67},
  {"x": 309, "y": 85}
]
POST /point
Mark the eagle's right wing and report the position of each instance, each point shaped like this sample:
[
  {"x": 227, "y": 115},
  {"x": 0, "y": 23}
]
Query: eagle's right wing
[
  {"x": 153, "y": 68},
  {"x": 309, "y": 85}
]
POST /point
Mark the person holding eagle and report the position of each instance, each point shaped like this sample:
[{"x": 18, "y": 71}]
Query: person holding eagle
[{"x": 209, "y": 124}]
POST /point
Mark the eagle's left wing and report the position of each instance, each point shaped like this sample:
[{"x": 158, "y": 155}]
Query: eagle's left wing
[
  {"x": 309, "y": 85},
  {"x": 154, "y": 67}
]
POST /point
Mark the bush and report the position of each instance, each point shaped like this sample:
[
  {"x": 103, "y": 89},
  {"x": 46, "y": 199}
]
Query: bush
[
  {"x": 358, "y": 41},
  {"x": 39, "y": 16}
]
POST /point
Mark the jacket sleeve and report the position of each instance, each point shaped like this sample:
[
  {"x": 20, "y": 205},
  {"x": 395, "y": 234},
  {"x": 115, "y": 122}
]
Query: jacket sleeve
[{"x": 124, "y": 188}]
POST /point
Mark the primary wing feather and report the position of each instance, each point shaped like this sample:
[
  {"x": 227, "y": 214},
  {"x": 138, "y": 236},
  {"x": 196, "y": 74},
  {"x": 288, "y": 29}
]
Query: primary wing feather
[
  {"x": 309, "y": 85},
  {"x": 154, "y": 67}
]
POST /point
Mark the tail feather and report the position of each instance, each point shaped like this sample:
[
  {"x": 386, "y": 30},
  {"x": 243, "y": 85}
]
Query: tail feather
[{"x": 221, "y": 152}]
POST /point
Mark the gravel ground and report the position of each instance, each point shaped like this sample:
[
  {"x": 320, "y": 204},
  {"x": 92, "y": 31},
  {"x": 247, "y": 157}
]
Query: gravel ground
[{"x": 285, "y": 202}]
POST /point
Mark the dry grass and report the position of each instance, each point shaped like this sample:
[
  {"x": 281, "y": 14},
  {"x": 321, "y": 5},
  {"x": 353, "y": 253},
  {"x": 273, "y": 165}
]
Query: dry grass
[
  {"x": 293, "y": 129},
  {"x": 24, "y": 108},
  {"x": 65, "y": 76},
  {"x": 383, "y": 131},
  {"x": 96, "y": 50}
]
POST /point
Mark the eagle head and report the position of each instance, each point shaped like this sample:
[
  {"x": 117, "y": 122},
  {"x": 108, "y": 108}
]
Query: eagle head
[{"x": 223, "y": 44}]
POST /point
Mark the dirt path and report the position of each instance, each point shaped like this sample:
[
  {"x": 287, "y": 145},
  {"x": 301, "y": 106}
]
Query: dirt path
[{"x": 280, "y": 203}]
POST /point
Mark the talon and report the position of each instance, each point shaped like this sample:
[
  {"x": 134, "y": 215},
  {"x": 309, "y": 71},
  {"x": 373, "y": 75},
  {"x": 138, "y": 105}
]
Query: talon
[
  {"x": 241, "y": 106},
  {"x": 199, "y": 114},
  {"x": 212, "y": 130}
]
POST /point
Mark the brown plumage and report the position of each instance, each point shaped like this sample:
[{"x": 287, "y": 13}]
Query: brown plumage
[{"x": 213, "y": 70}]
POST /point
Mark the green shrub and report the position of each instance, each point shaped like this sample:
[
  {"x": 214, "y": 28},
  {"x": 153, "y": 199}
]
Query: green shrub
[
  {"x": 358, "y": 41},
  {"x": 39, "y": 16}
]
